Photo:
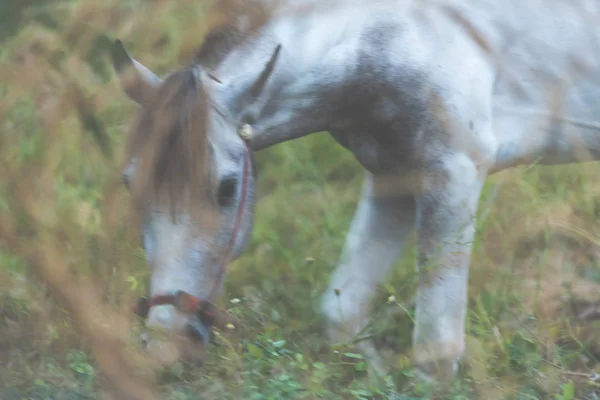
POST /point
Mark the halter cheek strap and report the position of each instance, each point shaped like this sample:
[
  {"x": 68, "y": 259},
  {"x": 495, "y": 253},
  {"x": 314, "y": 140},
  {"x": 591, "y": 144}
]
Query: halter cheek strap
[
  {"x": 184, "y": 301},
  {"x": 245, "y": 132}
]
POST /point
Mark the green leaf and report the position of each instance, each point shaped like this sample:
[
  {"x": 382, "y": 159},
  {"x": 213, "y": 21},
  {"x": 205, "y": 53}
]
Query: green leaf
[
  {"x": 354, "y": 355},
  {"x": 254, "y": 351},
  {"x": 568, "y": 391},
  {"x": 133, "y": 282}
]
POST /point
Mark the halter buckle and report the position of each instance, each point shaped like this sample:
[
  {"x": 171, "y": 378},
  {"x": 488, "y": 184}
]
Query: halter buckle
[{"x": 245, "y": 131}]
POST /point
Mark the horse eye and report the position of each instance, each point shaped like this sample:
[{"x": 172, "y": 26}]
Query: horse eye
[{"x": 226, "y": 192}]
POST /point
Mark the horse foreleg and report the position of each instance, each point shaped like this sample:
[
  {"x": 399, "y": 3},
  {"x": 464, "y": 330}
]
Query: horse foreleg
[
  {"x": 381, "y": 225},
  {"x": 446, "y": 213}
]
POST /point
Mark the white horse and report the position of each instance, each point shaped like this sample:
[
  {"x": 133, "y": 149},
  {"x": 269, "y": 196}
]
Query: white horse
[{"x": 430, "y": 96}]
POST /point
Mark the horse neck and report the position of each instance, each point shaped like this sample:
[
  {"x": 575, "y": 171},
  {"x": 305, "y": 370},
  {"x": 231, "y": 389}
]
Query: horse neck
[
  {"x": 317, "y": 64},
  {"x": 296, "y": 98}
]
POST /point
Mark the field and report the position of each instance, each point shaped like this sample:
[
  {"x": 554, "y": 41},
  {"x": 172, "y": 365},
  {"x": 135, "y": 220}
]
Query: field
[{"x": 71, "y": 264}]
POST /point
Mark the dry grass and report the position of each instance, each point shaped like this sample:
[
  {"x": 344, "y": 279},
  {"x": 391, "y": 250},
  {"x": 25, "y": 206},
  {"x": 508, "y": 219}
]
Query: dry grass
[{"x": 70, "y": 264}]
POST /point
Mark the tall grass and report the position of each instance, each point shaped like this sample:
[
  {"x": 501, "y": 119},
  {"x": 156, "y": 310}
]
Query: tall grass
[{"x": 71, "y": 265}]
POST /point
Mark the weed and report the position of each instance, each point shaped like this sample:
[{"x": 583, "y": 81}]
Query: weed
[{"x": 60, "y": 196}]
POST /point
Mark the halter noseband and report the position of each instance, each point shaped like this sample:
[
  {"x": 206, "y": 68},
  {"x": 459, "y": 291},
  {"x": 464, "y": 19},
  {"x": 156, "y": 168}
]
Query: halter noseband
[{"x": 184, "y": 301}]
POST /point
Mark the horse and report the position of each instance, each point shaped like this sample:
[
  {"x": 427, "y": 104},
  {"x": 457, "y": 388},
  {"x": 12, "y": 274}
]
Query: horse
[{"x": 431, "y": 97}]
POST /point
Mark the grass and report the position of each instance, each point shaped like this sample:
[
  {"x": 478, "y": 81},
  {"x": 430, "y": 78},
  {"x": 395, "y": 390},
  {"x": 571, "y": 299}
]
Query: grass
[{"x": 536, "y": 261}]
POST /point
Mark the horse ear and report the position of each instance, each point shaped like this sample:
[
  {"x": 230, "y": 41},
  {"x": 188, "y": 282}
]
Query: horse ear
[
  {"x": 137, "y": 81},
  {"x": 214, "y": 77},
  {"x": 258, "y": 86},
  {"x": 255, "y": 90}
]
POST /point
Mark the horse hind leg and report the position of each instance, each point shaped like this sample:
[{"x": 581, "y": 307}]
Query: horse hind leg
[{"x": 381, "y": 225}]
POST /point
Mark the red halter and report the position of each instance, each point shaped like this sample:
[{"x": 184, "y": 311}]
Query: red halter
[{"x": 184, "y": 301}]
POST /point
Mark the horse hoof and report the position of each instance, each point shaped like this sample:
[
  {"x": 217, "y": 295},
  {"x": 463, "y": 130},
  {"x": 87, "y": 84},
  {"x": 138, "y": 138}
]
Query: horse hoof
[{"x": 437, "y": 371}]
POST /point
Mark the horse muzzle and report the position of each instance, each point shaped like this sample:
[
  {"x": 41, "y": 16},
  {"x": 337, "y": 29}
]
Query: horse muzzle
[
  {"x": 169, "y": 319},
  {"x": 186, "y": 321}
]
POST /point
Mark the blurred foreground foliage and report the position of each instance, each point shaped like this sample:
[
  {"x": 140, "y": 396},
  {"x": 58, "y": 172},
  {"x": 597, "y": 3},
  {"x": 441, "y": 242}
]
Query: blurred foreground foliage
[{"x": 69, "y": 243}]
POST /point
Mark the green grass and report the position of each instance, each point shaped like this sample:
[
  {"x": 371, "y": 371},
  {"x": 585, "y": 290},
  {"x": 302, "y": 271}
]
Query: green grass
[{"x": 536, "y": 261}]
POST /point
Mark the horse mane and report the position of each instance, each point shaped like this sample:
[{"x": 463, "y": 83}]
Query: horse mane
[
  {"x": 246, "y": 15},
  {"x": 169, "y": 144},
  {"x": 169, "y": 141},
  {"x": 230, "y": 23}
]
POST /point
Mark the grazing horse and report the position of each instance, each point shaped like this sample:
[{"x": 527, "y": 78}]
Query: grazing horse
[{"x": 430, "y": 96}]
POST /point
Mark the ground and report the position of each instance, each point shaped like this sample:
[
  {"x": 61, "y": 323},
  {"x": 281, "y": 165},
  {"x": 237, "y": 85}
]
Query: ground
[{"x": 534, "y": 312}]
